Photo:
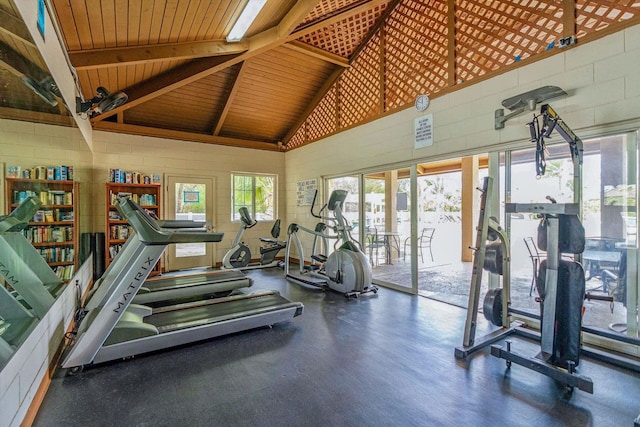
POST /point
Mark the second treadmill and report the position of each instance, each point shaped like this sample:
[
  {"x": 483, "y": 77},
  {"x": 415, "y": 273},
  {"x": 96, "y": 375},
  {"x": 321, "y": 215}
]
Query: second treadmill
[{"x": 114, "y": 328}]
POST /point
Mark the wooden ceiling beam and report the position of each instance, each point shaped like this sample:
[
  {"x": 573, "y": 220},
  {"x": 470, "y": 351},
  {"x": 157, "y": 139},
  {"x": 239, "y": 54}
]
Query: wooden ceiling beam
[
  {"x": 568, "y": 18},
  {"x": 184, "y": 136},
  {"x": 200, "y": 68},
  {"x": 451, "y": 43},
  {"x": 317, "y": 53},
  {"x": 230, "y": 98},
  {"x": 96, "y": 58},
  {"x": 296, "y": 14},
  {"x": 169, "y": 81}
]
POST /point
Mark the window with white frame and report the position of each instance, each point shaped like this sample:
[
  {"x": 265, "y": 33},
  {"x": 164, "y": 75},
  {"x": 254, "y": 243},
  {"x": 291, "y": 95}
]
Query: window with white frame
[{"x": 256, "y": 192}]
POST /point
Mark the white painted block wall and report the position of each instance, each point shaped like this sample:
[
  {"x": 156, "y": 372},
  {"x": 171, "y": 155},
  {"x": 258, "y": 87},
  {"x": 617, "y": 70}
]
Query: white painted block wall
[{"x": 23, "y": 374}]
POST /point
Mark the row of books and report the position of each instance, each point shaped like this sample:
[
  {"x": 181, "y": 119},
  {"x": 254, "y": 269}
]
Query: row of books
[
  {"x": 57, "y": 254},
  {"x": 141, "y": 199},
  {"x": 40, "y": 234},
  {"x": 113, "y": 250},
  {"x": 53, "y": 215},
  {"x": 50, "y": 197},
  {"x": 120, "y": 232},
  {"x": 50, "y": 173},
  {"x": 129, "y": 177},
  {"x": 64, "y": 272}
]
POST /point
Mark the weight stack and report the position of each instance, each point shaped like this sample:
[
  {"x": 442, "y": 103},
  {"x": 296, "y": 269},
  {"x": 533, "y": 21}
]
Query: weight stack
[
  {"x": 569, "y": 300},
  {"x": 98, "y": 255}
]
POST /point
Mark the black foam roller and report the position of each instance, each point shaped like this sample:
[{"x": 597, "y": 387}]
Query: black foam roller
[
  {"x": 86, "y": 246},
  {"x": 98, "y": 256}
]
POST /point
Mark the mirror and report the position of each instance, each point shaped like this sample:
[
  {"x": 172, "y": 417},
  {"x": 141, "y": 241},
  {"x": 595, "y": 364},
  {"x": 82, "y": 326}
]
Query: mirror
[{"x": 29, "y": 283}]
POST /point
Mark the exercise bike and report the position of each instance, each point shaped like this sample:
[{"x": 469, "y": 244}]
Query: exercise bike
[
  {"x": 346, "y": 269},
  {"x": 239, "y": 256}
]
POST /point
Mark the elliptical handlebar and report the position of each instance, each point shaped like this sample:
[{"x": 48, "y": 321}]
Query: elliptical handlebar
[{"x": 313, "y": 204}]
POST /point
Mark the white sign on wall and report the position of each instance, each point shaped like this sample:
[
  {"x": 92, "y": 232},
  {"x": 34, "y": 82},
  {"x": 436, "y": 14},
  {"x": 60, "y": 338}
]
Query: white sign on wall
[
  {"x": 423, "y": 127},
  {"x": 305, "y": 190}
]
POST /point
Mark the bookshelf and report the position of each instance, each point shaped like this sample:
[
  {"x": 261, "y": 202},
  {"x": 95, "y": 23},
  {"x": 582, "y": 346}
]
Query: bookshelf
[
  {"x": 53, "y": 231},
  {"x": 118, "y": 230}
]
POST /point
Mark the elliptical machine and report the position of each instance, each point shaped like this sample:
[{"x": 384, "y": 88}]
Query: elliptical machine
[
  {"x": 239, "y": 256},
  {"x": 347, "y": 268}
]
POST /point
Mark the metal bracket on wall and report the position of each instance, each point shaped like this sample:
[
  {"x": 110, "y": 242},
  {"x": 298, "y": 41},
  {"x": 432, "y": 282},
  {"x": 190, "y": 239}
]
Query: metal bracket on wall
[{"x": 525, "y": 102}]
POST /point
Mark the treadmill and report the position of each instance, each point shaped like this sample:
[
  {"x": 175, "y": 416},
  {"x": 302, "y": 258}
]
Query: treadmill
[
  {"x": 172, "y": 288},
  {"x": 33, "y": 281},
  {"x": 115, "y": 328},
  {"x": 21, "y": 265}
]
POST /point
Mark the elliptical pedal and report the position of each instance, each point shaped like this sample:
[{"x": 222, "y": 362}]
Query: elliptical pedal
[{"x": 320, "y": 258}]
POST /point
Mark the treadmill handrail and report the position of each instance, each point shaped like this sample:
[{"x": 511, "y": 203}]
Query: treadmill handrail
[
  {"x": 182, "y": 223},
  {"x": 19, "y": 218},
  {"x": 152, "y": 234}
]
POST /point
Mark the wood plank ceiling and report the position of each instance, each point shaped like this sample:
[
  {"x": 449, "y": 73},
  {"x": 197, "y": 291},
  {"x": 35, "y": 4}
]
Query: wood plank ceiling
[
  {"x": 183, "y": 79},
  {"x": 304, "y": 70}
]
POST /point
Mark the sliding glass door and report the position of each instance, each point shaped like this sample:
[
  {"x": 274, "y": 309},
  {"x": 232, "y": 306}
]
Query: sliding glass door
[
  {"x": 387, "y": 227},
  {"x": 417, "y": 236}
]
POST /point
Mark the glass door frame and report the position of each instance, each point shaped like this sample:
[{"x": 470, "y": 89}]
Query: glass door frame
[{"x": 173, "y": 262}]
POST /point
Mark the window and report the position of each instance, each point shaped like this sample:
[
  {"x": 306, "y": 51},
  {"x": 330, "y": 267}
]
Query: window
[{"x": 256, "y": 193}]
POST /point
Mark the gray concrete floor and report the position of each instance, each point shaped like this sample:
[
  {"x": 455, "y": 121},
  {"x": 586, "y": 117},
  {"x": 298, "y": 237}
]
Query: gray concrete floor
[{"x": 385, "y": 360}]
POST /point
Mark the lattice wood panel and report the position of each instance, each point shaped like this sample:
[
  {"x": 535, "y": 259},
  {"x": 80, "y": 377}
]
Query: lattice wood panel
[
  {"x": 415, "y": 51},
  {"x": 344, "y": 37},
  {"x": 359, "y": 87},
  {"x": 323, "y": 119},
  {"x": 326, "y": 8},
  {"x": 594, "y": 16},
  {"x": 298, "y": 139},
  {"x": 491, "y": 34}
]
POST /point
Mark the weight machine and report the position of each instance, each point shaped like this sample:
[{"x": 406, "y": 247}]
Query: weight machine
[
  {"x": 561, "y": 289},
  {"x": 560, "y": 282}
]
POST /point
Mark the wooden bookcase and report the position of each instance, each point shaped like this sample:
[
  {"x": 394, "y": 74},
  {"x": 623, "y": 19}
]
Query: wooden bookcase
[
  {"x": 54, "y": 230},
  {"x": 118, "y": 230}
]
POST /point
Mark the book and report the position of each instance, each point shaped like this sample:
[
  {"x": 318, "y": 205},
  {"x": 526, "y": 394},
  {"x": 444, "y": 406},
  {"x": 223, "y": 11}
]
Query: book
[
  {"x": 48, "y": 216},
  {"x": 13, "y": 171}
]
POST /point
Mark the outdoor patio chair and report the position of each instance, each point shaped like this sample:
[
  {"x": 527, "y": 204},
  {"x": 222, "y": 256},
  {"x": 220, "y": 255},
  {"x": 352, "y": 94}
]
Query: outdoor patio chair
[
  {"x": 374, "y": 244},
  {"x": 424, "y": 242}
]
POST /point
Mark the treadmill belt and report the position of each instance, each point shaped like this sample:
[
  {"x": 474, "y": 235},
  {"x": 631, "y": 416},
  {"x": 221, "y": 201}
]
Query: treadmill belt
[
  {"x": 195, "y": 279},
  {"x": 186, "y": 318}
]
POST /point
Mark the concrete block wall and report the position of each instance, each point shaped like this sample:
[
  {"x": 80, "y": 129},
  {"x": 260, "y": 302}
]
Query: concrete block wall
[
  {"x": 183, "y": 158},
  {"x": 27, "y": 144}
]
